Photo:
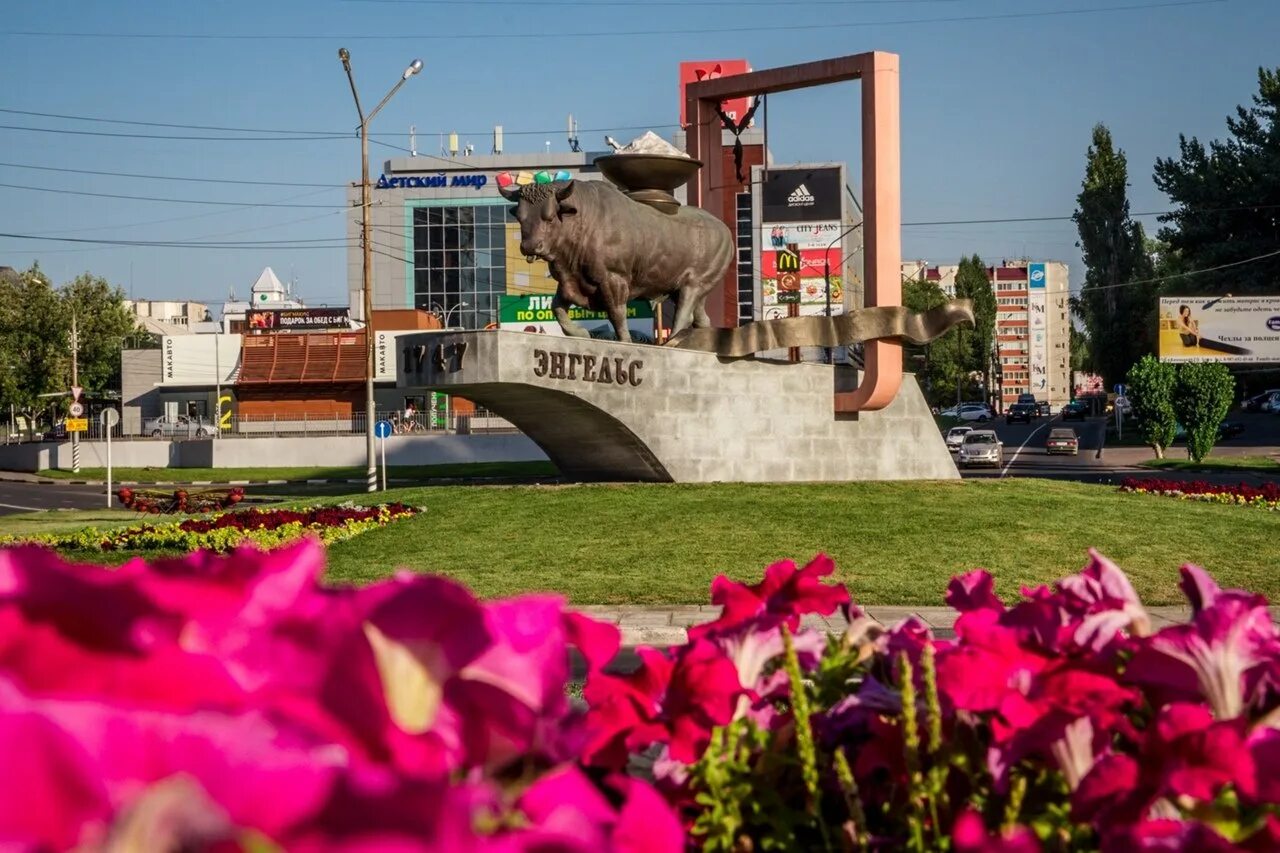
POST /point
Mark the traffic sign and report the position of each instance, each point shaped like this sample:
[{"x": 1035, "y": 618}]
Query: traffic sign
[
  {"x": 109, "y": 417},
  {"x": 77, "y": 424},
  {"x": 76, "y": 391},
  {"x": 1120, "y": 390},
  {"x": 76, "y": 409},
  {"x": 382, "y": 429}
]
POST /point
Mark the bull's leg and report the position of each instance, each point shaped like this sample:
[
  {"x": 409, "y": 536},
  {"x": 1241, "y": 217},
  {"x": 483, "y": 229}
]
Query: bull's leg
[
  {"x": 618, "y": 317},
  {"x": 685, "y": 308},
  {"x": 560, "y": 307},
  {"x": 700, "y": 318}
]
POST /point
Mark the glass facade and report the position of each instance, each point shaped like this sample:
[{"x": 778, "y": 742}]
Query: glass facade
[
  {"x": 746, "y": 268},
  {"x": 459, "y": 261}
]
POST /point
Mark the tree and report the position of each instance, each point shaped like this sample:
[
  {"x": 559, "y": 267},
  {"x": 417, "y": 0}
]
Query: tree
[
  {"x": 33, "y": 341},
  {"x": 1115, "y": 313},
  {"x": 102, "y": 324},
  {"x": 1228, "y": 199},
  {"x": 935, "y": 363},
  {"x": 1202, "y": 395},
  {"x": 972, "y": 283},
  {"x": 1151, "y": 384}
]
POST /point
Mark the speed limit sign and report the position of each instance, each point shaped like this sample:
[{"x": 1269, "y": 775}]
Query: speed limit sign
[{"x": 76, "y": 409}]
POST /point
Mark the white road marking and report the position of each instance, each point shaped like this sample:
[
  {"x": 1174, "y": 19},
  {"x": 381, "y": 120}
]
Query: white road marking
[
  {"x": 1005, "y": 469},
  {"x": 24, "y": 508}
]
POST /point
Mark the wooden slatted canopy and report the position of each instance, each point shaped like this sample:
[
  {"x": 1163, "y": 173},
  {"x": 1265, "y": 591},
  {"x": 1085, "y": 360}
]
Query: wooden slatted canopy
[{"x": 881, "y": 186}]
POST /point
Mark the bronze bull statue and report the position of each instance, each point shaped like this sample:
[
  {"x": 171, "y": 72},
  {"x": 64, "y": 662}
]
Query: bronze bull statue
[{"x": 605, "y": 249}]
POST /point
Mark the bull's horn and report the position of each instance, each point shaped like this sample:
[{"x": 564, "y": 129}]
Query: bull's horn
[
  {"x": 511, "y": 193},
  {"x": 565, "y": 191}
]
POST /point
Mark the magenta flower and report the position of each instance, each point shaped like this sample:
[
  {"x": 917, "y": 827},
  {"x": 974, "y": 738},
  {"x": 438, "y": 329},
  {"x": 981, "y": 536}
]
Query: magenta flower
[
  {"x": 969, "y": 835},
  {"x": 1185, "y": 753},
  {"x": 1226, "y": 650},
  {"x": 785, "y": 594},
  {"x": 566, "y": 811},
  {"x": 973, "y": 590},
  {"x": 1102, "y": 604}
]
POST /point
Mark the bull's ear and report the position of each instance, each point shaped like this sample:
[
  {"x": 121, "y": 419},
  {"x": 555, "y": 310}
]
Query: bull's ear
[
  {"x": 564, "y": 199},
  {"x": 510, "y": 193}
]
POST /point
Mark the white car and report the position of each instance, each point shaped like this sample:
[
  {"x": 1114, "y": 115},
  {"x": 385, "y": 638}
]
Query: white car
[
  {"x": 955, "y": 436},
  {"x": 969, "y": 412},
  {"x": 981, "y": 447}
]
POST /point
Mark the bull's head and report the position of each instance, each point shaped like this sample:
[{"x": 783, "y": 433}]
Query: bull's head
[{"x": 539, "y": 210}]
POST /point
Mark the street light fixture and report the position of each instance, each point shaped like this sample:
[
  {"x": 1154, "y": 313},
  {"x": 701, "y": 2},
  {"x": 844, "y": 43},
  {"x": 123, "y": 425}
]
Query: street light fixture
[
  {"x": 444, "y": 314},
  {"x": 367, "y": 251}
]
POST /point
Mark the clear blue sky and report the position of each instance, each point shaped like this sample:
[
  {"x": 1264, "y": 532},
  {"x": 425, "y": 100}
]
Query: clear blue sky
[{"x": 996, "y": 111}]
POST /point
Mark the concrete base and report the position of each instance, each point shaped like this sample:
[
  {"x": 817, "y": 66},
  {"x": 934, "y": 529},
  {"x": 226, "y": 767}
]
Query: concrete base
[{"x": 604, "y": 410}]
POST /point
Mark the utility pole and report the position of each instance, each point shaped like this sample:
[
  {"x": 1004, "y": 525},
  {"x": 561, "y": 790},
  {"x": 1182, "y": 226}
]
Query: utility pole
[
  {"x": 75, "y": 383},
  {"x": 217, "y": 388}
]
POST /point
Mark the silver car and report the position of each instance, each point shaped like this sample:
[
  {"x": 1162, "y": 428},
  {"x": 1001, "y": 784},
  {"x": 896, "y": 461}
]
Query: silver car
[
  {"x": 182, "y": 426},
  {"x": 981, "y": 447},
  {"x": 955, "y": 436}
]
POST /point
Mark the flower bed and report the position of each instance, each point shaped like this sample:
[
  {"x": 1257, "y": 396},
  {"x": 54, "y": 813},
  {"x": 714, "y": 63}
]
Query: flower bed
[
  {"x": 236, "y": 702},
  {"x": 1266, "y": 496},
  {"x": 263, "y": 527}
]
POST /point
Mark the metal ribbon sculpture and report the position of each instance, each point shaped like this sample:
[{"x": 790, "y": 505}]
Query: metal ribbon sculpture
[
  {"x": 736, "y": 129},
  {"x": 863, "y": 324}
]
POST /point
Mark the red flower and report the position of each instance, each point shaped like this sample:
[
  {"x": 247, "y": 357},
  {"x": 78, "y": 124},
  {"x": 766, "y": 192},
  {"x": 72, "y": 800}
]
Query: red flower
[{"x": 785, "y": 594}]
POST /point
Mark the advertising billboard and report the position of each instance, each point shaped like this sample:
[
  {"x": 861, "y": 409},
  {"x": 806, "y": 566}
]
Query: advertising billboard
[
  {"x": 1232, "y": 330},
  {"x": 693, "y": 72},
  {"x": 802, "y": 207},
  {"x": 302, "y": 319},
  {"x": 1038, "y": 331},
  {"x": 533, "y": 314}
]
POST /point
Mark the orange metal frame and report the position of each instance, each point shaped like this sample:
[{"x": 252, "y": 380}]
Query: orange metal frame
[{"x": 881, "y": 185}]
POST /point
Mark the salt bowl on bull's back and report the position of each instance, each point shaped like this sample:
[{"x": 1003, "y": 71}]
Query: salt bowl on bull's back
[{"x": 604, "y": 248}]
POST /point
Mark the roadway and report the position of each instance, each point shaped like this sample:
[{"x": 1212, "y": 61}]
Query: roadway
[
  {"x": 27, "y": 497},
  {"x": 1025, "y": 455}
]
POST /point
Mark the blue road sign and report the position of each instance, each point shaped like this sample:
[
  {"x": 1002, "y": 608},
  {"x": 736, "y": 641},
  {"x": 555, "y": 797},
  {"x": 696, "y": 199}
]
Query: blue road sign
[
  {"x": 1120, "y": 390},
  {"x": 382, "y": 429}
]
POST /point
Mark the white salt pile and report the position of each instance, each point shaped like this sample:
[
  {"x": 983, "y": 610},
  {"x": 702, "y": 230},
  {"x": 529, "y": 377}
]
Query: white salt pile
[{"x": 651, "y": 143}]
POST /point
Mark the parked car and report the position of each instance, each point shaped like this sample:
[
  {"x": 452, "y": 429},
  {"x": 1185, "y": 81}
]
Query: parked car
[
  {"x": 981, "y": 447},
  {"x": 1020, "y": 412},
  {"x": 1062, "y": 440},
  {"x": 1263, "y": 402},
  {"x": 1229, "y": 429},
  {"x": 182, "y": 426},
  {"x": 955, "y": 436},
  {"x": 1076, "y": 411},
  {"x": 970, "y": 412}
]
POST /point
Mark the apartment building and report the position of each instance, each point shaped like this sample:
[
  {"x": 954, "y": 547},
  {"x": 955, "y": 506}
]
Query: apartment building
[{"x": 1033, "y": 324}]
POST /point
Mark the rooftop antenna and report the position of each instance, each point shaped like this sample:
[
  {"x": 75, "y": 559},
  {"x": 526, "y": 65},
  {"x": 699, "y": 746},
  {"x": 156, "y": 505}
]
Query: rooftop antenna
[
  {"x": 497, "y": 139},
  {"x": 548, "y": 144},
  {"x": 453, "y": 144},
  {"x": 442, "y": 151},
  {"x": 413, "y": 141},
  {"x": 573, "y": 135}
]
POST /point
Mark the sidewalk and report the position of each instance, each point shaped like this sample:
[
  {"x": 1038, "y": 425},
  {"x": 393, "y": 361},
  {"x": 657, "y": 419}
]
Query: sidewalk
[{"x": 668, "y": 625}]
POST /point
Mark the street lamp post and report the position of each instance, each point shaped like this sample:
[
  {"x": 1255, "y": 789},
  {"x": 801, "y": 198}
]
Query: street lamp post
[
  {"x": 367, "y": 250},
  {"x": 826, "y": 270},
  {"x": 444, "y": 314}
]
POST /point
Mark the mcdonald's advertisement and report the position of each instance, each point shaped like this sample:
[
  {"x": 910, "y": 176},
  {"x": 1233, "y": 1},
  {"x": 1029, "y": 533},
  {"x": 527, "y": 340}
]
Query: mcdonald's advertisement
[{"x": 1231, "y": 330}]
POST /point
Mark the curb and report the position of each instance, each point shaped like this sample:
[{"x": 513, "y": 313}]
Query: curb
[{"x": 397, "y": 480}]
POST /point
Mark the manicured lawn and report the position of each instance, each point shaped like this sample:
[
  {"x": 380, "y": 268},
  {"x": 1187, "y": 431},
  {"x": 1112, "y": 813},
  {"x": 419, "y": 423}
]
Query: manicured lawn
[
  {"x": 894, "y": 543},
  {"x": 222, "y": 475},
  {"x": 63, "y": 520},
  {"x": 1217, "y": 463}
]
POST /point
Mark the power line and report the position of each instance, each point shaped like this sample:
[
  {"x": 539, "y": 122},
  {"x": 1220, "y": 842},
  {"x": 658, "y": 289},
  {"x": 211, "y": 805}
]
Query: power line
[
  {"x": 168, "y": 200},
  {"x": 178, "y": 244},
  {"x": 514, "y": 33},
  {"x": 325, "y": 134},
  {"x": 65, "y": 132},
  {"x": 633, "y": 3},
  {"x": 1187, "y": 274},
  {"x": 169, "y": 177}
]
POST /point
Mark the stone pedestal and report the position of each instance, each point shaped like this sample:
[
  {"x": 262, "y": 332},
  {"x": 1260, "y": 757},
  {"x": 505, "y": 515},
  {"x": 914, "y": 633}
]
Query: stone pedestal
[{"x": 603, "y": 410}]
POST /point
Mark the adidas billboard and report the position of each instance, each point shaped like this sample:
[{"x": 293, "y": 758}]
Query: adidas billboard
[{"x": 802, "y": 194}]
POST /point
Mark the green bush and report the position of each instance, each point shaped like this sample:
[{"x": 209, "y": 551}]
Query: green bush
[
  {"x": 1202, "y": 395},
  {"x": 1151, "y": 384}
]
